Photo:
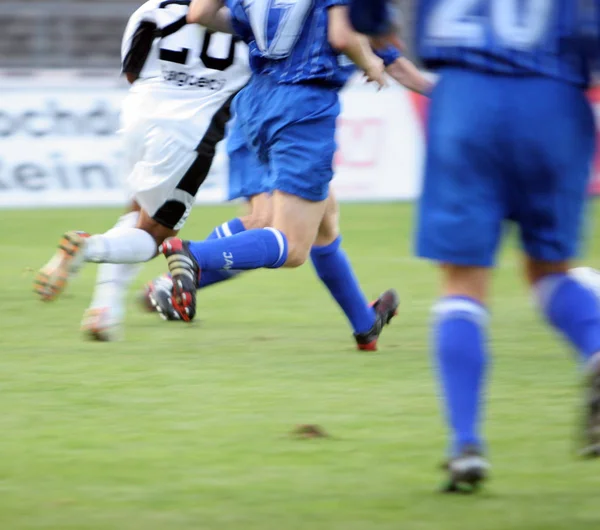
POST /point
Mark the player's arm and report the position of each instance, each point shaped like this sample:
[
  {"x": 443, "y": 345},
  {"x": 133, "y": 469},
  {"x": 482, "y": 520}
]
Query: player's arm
[
  {"x": 408, "y": 75},
  {"x": 212, "y": 14},
  {"x": 355, "y": 46},
  {"x": 403, "y": 71}
]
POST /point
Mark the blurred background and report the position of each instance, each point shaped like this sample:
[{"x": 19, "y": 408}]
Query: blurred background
[
  {"x": 62, "y": 93},
  {"x": 81, "y": 34}
]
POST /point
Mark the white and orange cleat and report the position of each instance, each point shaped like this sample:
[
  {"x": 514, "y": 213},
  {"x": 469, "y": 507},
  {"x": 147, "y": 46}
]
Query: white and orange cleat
[
  {"x": 101, "y": 324},
  {"x": 52, "y": 278}
]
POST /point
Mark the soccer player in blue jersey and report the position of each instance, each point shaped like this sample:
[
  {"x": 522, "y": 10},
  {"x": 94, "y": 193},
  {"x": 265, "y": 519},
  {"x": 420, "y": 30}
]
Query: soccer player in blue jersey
[
  {"x": 288, "y": 115},
  {"x": 248, "y": 180},
  {"x": 511, "y": 138}
]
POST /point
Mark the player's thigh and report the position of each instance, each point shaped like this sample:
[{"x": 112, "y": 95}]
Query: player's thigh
[
  {"x": 299, "y": 220},
  {"x": 554, "y": 146},
  {"x": 167, "y": 178},
  {"x": 461, "y": 209}
]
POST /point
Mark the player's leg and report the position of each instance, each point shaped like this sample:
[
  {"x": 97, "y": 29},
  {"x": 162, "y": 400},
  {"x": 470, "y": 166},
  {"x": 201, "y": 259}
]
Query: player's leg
[
  {"x": 248, "y": 179},
  {"x": 105, "y": 313},
  {"x": 103, "y": 318},
  {"x": 459, "y": 226},
  {"x": 163, "y": 183},
  {"x": 157, "y": 294},
  {"x": 299, "y": 148},
  {"x": 553, "y": 183},
  {"x": 335, "y": 271},
  {"x": 153, "y": 180}
]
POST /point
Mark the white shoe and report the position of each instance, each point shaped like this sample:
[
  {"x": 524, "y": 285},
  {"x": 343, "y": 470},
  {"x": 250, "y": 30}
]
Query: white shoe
[
  {"x": 101, "y": 324},
  {"x": 53, "y": 277}
]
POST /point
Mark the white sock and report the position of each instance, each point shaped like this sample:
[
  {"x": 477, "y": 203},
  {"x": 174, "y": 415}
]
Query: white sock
[
  {"x": 121, "y": 244},
  {"x": 113, "y": 279}
]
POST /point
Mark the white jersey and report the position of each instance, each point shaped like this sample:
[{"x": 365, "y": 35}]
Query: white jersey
[{"x": 187, "y": 74}]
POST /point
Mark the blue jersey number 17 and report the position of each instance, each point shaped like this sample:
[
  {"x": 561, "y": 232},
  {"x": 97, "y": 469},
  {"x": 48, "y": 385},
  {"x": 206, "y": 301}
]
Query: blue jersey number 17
[{"x": 277, "y": 24}]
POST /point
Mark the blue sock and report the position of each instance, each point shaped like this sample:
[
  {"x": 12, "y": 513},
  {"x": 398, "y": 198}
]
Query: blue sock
[
  {"x": 572, "y": 309},
  {"x": 334, "y": 269},
  {"x": 252, "y": 249},
  {"x": 460, "y": 347},
  {"x": 230, "y": 228}
]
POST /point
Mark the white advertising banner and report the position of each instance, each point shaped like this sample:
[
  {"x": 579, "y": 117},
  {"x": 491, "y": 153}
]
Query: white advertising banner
[{"x": 58, "y": 147}]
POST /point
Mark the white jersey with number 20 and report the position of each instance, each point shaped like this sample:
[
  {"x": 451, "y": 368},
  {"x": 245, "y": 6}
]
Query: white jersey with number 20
[{"x": 186, "y": 73}]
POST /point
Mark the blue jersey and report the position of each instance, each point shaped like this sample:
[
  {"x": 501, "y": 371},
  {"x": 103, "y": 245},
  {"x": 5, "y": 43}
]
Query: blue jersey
[
  {"x": 518, "y": 37},
  {"x": 288, "y": 41},
  {"x": 372, "y": 17}
]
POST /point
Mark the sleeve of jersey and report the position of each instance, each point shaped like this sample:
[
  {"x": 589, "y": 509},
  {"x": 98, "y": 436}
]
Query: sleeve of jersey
[
  {"x": 240, "y": 30},
  {"x": 388, "y": 55},
  {"x": 137, "y": 43},
  {"x": 333, "y": 3},
  {"x": 372, "y": 17},
  {"x": 237, "y": 20}
]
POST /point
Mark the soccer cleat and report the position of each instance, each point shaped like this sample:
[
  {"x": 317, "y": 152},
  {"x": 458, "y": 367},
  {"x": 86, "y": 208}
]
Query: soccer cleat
[
  {"x": 591, "y": 425},
  {"x": 100, "y": 324},
  {"x": 386, "y": 308},
  {"x": 185, "y": 274},
  {"x": 161, "y": 299},
  {"x": 52, "y": 278},
  {"x": 466, "y": 471},
  {"x": 147, "y": 298}
]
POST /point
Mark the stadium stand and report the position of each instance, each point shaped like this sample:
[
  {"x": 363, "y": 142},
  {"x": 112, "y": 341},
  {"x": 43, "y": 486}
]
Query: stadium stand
[
  {"x": 62, "y": 33},
  {"x": 65, "y": 34}
]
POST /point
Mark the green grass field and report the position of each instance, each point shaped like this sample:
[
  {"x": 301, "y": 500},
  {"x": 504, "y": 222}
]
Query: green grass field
[{"x": 185, "y": 427}]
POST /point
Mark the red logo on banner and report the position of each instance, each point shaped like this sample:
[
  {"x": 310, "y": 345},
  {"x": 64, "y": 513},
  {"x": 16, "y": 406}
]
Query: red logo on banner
[
  {"x": 594, "y": 95},
  {"x": 360, "y": 141},
  {"x": 421, "y": 104}
]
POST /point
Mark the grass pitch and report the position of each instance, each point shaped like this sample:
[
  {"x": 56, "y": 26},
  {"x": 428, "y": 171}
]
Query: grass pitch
[{"x": 187, "y": 426}]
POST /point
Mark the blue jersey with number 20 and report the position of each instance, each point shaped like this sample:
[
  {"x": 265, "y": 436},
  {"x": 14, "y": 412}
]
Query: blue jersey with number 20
[{"x": 520, "y": 37}]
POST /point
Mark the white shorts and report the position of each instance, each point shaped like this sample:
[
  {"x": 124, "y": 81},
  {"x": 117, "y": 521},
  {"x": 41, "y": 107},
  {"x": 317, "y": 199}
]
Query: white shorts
[{"x": 163, "y": 175}]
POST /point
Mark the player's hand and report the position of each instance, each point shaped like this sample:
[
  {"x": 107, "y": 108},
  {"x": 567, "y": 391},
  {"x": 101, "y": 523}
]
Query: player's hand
[
  {"x": 408, "y": 75},
  {"x": 375, "y": 71}
]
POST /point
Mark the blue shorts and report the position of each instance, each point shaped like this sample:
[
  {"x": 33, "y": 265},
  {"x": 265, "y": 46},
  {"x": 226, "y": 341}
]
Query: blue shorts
[
  {"x": 248, "y": 176},
  {"x": 291, "y": 128},
  {"x": 504, "y": 148}
]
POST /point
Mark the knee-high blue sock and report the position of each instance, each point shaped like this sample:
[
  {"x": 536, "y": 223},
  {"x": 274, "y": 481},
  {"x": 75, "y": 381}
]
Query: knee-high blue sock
[
  {"x": 459, "y": 342},
  {"x": 334, "y": 269},
  {"x": 230, "y": 228},
  {"x": 252, "y": 249},
  {"x": 573, "y": 310}
]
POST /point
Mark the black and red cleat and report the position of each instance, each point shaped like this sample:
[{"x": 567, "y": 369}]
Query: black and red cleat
[
  {"x": 185, "y": 274},
  {"x": 386, "y": 308},
  {"x": 590, "y": 439}
]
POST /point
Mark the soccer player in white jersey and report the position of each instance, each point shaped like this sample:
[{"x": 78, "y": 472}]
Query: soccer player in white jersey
[{"x": 184, "y": 78}]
